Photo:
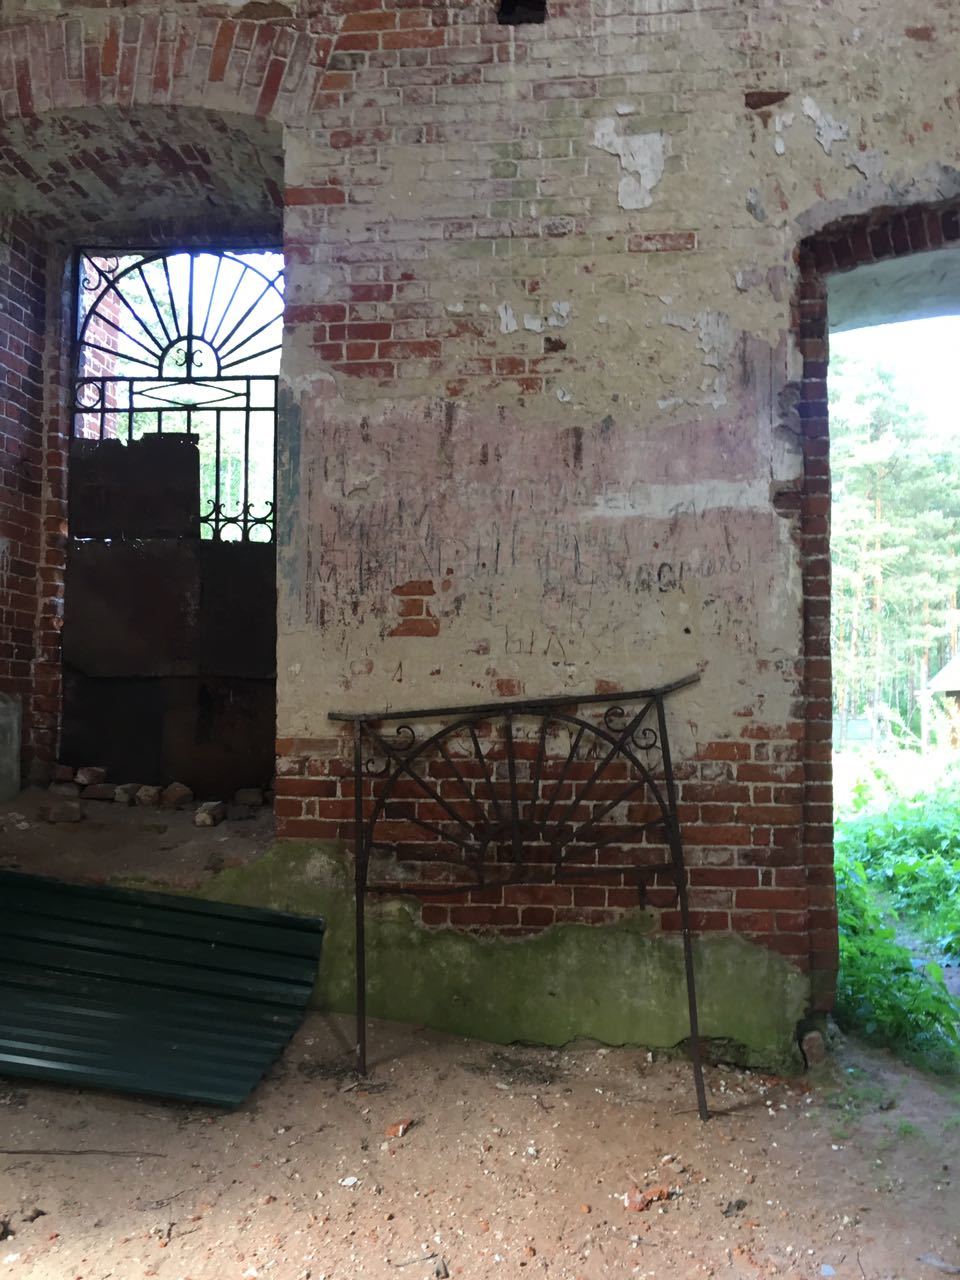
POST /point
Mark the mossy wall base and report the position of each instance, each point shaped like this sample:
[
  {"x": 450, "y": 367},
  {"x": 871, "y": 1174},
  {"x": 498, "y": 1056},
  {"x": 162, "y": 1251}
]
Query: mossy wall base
[{"x": 621, "y": 984}]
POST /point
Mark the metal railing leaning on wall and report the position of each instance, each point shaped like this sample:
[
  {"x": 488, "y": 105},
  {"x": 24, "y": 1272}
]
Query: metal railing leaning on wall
[{"x": 518, "y": 792}]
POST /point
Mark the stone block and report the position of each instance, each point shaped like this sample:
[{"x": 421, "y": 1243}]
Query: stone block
[
  {"x": 210, "y": 814},
  {"x": 148, "y": 796},
  {"x": 126, "y": 793},
  {"x": 90, "y": 776},
  {"x": 813, "y": 1048},
  {"x": 69, "y": 790},
  {"x": 99, "y": 791},
  {"x": 62, "y": 811},
  {"x": 176, "y": 796}
]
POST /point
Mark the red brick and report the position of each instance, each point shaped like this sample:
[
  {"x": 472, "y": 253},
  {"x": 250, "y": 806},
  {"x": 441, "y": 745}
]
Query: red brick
[
  {"x": 369, "y": 21},
  {"x": 483, "y": 916},
  {"x": 298, "y": 196},
  {"x": 416, "y": 627},
  {"x": 662, "y": 242},
  {"x": 537, "y": 915},
  {"x": 732, "y": 834},
  {"x": 414, "y": 39},
  {"x": 772, "y": 899}
]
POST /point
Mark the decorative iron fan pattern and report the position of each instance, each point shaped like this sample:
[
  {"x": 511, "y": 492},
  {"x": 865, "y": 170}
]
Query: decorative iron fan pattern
[
  {"x": 513, "y": 797},
  {"x": 188, "y": 342},
  {"x": 460, "y": 799}
]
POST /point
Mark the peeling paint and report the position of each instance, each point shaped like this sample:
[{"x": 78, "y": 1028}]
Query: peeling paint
[
  {"x": 559, "y": 314},
  {"x": 754, "y": 205},
  {"x": 508, "y": 319},
  {"x": 870, "y": 162},
  {"x": 780, "y": 124},
  {"x": 642, "y": 157},
  {"x": 714, "y": 340},
  {"x": 829, "y": 130}
]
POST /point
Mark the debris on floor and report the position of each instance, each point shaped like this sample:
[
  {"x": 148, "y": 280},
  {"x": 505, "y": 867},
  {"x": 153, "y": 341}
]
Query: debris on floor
[{"x": 301, "y": 1183}]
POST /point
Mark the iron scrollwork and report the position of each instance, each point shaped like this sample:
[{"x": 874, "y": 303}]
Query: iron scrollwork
[
  {"x": 187, "y": 342},
  {"x": 519, "y": 792}
]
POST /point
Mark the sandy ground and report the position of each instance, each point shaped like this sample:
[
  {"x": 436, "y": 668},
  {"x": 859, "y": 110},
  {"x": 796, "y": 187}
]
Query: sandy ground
[{"x": 518, "y": 1161}]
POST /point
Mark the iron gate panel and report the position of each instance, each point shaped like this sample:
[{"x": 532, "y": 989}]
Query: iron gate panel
[
  {"x": 187, "y": 342},
  {"x": 493, "y": 803}
]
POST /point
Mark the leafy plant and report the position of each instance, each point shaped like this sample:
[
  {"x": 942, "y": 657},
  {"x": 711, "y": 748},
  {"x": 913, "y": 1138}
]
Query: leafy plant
[
  {"x": 910, "y": 854},
  {"x": 881, "y": 992}
]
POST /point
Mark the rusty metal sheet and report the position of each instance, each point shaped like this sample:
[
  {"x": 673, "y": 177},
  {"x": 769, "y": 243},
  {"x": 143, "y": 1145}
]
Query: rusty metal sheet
[
  {"x": 131, "y": 608},
  {"x": 149, "y": 488},
  {"x": 219, "y": 734},
  {"x": 117, "y": 723},
  {"x": 215, "y": 734},
  {"x": 238, "y": 609}
]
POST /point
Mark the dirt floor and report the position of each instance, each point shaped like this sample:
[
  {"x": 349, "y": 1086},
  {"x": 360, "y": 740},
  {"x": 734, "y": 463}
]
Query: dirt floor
[
  {"x": 579, "y": 1163},
  {"x": 516, "y": 1161},
  {"x": 112, "y": 841}
]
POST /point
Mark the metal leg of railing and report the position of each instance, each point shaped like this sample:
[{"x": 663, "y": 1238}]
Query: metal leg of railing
[
  {"x": 359, "y": 889},
  {"x": 680, "y": 873},
  {"x": 695, "y": 1056}
]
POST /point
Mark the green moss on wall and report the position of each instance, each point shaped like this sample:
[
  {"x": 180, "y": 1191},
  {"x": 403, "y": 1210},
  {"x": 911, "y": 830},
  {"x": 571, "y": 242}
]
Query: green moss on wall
[{"x": 621, "y": 984}]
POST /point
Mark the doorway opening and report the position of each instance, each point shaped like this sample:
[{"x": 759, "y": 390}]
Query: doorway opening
[
  {"x": 169, "y": 634},
  {"x": 894, "y": 467},
  {"x": 90, "y": 194}
]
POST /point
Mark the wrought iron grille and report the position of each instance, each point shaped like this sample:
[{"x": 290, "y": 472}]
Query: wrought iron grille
[
  {"x": 188, "y": 342},
  {"x": 454, "y": 799}
]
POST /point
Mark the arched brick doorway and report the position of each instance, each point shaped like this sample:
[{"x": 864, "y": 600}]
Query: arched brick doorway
[{"x": 94, "y": 150}]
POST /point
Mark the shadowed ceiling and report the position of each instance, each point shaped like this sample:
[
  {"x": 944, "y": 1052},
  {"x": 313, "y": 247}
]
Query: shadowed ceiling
[{"x": 98, "y": 174}]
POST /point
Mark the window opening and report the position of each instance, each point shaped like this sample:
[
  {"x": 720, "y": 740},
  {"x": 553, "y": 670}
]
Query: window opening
[{"x": 188, "y": 342}]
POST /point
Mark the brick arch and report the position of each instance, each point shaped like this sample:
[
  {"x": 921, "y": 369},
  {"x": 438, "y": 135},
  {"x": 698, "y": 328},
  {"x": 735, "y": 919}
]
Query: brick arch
[
  {"x": 120, "y": 64},
  {"x": 841, "y": 246},
  {"x": 267, "y": 69}
]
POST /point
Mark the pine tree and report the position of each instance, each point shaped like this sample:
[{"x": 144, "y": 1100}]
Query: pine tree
[{"x": 895, "y": 541}]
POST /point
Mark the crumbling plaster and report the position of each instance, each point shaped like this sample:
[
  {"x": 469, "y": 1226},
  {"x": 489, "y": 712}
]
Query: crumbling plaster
[
  {"x": 610, "y": 165},
  {"x": 541, "y": 426},
  {"x": 618, "y": 985},
  {"x": 658, "y": 437}
]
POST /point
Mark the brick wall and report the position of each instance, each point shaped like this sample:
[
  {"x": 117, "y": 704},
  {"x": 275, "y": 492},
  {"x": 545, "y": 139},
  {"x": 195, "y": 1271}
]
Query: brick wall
[
  {"x": 553, "y": 368},
  {"x": 22, "y": 324},
  {"x": 740, "y": 811}
]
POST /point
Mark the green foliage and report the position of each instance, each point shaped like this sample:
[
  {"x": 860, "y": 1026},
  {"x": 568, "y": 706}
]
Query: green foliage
[
  {"x": 880, "y": 993},
  {"x": 910, "y": 855},
  {"x": 900, "y": 864}
]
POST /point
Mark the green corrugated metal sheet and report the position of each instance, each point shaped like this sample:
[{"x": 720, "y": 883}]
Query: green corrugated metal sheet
[{"x": 145, "y": 992}]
